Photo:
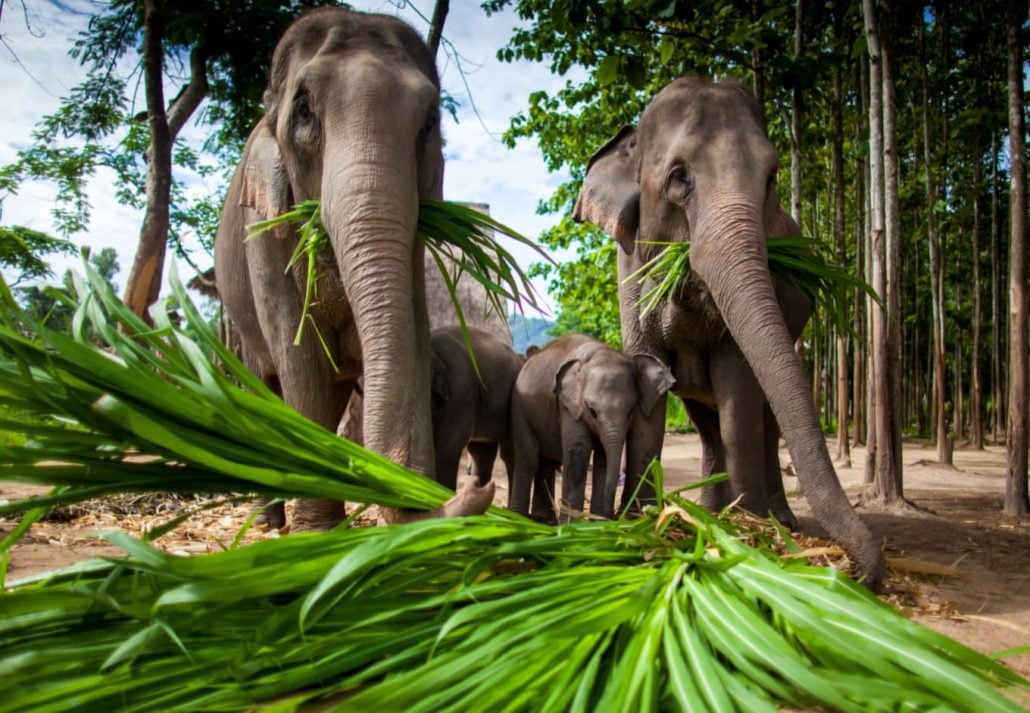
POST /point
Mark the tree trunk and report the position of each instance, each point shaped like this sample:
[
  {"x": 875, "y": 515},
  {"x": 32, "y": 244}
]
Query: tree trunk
[
  {"x": 436, "y": 25},
  {"x": 878, "y": 343},
  {"x": 861, "y": 300},
  {"x": 997, "y": 390},
  {"x": 889, "y": 484},
  {"x": 144, "y": 283},
  {"x": 843, "y": 448},
  {"x": 795, "y": 119},
  {"x": 976, "y": 428},
  {"x": 944, "y": 444},
  {"x": 1016, "y": 500}
]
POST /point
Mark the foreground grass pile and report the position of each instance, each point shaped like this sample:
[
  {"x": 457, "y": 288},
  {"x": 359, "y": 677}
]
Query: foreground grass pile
[{"x": 674, "y": 610}]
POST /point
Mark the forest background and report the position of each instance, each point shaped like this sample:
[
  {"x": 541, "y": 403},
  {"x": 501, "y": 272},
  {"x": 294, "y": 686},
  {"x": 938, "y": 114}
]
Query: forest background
[{"x": 900, "y": 128}]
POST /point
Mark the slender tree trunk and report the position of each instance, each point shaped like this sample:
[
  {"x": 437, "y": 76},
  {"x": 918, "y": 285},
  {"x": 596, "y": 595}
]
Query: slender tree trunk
[
  {"x": 997, "y": 390},
  {"x": 795, "y": 118},
  {"x": 757, "y": 58},
  {"x": 889, "y": 483},
  {"x": 960, "y": 404},
  {"x": 879, "y": 404},
  {"x": 976, "y": 407},
  {"x": 861, "y": 312},
  {"x": 436, "y": 25},
  {"x": 1016, "y": 499},
  {"x": 144, "y": 283},
  {"x": 843, "y": 448},
  {"x": 944, "y": 445}
]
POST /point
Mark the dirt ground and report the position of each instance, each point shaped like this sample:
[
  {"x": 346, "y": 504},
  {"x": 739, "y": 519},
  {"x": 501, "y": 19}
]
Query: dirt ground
[{"x": 981, "y": 597}]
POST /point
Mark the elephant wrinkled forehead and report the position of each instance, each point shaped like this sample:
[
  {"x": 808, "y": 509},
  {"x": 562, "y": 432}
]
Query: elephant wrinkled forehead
[
  {"x": 338, "y": 32},
  {"x": 703, "y": 110}
]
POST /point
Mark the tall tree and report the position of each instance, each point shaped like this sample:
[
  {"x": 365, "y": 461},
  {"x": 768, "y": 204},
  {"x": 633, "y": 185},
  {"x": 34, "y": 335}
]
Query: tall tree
[
  {"x": 839, "y": 9},
  {"x": 1016, "y": 499}
]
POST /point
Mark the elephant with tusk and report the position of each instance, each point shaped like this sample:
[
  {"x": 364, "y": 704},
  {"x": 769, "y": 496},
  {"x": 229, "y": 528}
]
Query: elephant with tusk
[{"x": 699, "y": 167}]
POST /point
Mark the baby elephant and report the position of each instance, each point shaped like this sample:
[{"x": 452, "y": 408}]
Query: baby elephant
[
  {"x": 575, "y": 397},
  {"x": 469, "y": 410}
]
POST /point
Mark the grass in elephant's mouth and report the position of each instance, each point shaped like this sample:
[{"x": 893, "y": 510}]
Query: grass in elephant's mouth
[
  {"x": 459, "y": 239},
  {"x": 678, "y": 609},
  {"x": 804, "y": 263}
]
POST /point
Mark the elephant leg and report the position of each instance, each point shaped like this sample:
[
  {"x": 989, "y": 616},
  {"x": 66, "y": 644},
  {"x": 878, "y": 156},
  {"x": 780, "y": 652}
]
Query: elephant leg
[
  {"x": 450, "y": 442},
  {"x": 483, "y": 453},
  {"x": 507, "y": 449},
  {"x": 599, "y": 471},
  {"x": 741, "y": 406},
  {"x": 778, "y": 504},
  {"x": 576, "y": 448},
  {"x": 544, "y": 494},
  {"x": 527, "y": 462},
  {"x": 644, "y": 442},
  {"x": 713, "y": 460}
]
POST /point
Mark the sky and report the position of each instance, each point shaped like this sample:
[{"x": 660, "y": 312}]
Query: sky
[{"x": 37, "y": 71}]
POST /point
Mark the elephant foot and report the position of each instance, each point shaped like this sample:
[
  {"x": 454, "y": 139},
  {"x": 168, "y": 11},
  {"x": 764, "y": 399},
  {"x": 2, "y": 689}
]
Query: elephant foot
[
  {"x": 714, "y": 497},
  {"x": 272, "y": 514},
  {"x": 472, "y": 499},
  {"x": 786, "y": 517},
  {"x": 314, "y": 514}
]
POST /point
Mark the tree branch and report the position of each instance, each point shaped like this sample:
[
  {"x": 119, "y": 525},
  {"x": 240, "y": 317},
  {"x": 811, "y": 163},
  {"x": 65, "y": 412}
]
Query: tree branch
[{"x": 191, "y": 97}]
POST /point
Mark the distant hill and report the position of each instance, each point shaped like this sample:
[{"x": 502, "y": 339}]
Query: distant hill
[{"x": 527, "y": 331}]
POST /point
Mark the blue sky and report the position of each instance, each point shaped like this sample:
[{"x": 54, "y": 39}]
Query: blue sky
[{"x": 37, "y": 72}]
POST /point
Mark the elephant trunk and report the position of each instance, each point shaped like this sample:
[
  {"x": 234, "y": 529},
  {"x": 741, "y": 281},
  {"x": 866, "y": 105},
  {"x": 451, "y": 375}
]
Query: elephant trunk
[
  {"x": 370, "y": 203},
  {"x": 612, "y": 440},
  {"x": 728, "y": 252}
]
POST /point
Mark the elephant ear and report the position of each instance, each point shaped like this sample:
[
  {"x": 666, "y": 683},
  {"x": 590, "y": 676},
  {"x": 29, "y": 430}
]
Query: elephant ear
[
  {"x": 610, "y": 196},
  {"x": 567, "y": 389},
  {"x": 654, "y": 381},
  {"x": 441, "y": 380},
  {"x": 266, "y": 187},
  {"x": 780, "y": 224}
]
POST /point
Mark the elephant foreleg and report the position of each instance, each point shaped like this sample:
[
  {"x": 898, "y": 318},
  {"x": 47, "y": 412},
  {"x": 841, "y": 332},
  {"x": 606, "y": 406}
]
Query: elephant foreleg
[
  {"x": 544, "y": 494},
  {"x": 778, "y": 504},
  {"x": 576, "y": 448},
  {"x": 483, "y": 453},
  {"x": 643, "y": 445},
  {"x": 713, "y": 460}
]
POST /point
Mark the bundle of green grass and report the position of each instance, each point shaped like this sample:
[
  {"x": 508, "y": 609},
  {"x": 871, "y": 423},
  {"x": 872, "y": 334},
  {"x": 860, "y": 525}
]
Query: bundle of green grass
[{"x": 675, "y": 610}]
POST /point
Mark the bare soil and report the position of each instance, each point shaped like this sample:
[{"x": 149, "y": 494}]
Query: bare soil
[{"x": 958, "y": 565}]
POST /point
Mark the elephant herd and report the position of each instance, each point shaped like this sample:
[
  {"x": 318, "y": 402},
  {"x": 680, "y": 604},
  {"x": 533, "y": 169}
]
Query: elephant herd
[{"x": 352, "y": 117}]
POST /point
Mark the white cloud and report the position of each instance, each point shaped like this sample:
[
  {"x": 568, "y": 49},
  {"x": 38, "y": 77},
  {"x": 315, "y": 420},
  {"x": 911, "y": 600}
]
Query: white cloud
[{"x": 479, "y": 167}]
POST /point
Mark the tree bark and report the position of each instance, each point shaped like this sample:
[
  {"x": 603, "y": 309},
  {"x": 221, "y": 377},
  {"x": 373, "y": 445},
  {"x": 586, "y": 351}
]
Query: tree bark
[
  {"x": 758, "y": 59},
  {"x": 144, "y": 284},
  {"x": 440, "y": 11},
  {"x": 878, "y": 344},
  {"x": 1016, "y": 499},
  {"x": 976, "y": 428},
  {"x": 889, "y": 482},
  {"x": 843, "y": 447},
  {"x": 795, "y": 118},
  {"x": 861, "y": 300},
  {"x": 944, "y": 444},
  {"x": 997, "y": 390}
]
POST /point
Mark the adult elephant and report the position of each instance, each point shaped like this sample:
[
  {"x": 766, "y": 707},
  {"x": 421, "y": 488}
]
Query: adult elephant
[
  {"x": 700, "y": 168},
  {"x": 351, "y": 118}
]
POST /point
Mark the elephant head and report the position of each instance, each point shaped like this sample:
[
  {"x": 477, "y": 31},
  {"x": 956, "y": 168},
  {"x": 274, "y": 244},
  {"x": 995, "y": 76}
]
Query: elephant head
[
  {"x": 352, "y": 119},
  {"x": 604, "y": 390},
  {"x": 700, "y": 168}
]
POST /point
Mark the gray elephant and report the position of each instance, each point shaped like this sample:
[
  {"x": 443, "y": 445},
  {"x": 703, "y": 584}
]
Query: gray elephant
[
  {"x": 469, "y": 409},
  {"x": 352, "y": 118},
  {"x": 700, "y": 168},
  {"x": 574, "y": 397}
]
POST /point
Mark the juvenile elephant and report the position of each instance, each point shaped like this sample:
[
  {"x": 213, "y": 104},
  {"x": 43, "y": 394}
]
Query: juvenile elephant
[
  {"x": 574, "y": 397},
  {"x": 700, "y": 168},
  {"x": 351, "y": 118},
  {"x": 471, "y": 409}
]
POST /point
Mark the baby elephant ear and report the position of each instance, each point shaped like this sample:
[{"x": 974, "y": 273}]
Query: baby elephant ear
[
  {"x": 567, "y": 389},
  {"x": 654, "y": 381},
  {"x": 610, "y": 197}
]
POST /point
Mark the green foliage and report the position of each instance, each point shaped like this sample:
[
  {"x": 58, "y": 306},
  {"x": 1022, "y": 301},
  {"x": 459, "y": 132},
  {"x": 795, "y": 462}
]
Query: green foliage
[
  {"x": 53, "y": 305},
  {"x": 676, "y": 418},
  {"x": 24, "y": 251},
  {"x": 679, "y": 609}
]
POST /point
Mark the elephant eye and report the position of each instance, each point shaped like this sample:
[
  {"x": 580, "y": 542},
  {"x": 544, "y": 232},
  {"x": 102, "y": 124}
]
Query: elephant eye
[
  {"x": 679, "y": 186},
  {"x": 302, "y": 108},
  {"x": 432, "y": 121}
]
